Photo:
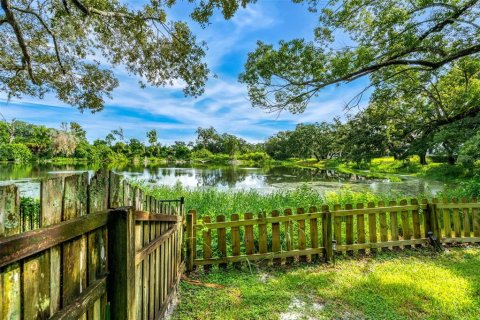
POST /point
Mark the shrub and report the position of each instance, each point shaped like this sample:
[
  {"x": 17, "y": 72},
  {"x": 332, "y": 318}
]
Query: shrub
[{"x": 15, "y": 152}]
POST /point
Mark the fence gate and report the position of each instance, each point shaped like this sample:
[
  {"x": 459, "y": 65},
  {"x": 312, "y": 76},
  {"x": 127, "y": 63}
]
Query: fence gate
[{"x": 99, "y": 249}]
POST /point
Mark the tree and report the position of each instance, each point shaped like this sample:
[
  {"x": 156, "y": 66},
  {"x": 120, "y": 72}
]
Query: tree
[
  {"x": 209, "y": 139},
  {"x": 389, "y": 38},
  {"x": 152, "y": 136},
  {"x": 54, "y": 46},
  {"x": 318, "y": 140},
  {"x": 66, "y": 140}
]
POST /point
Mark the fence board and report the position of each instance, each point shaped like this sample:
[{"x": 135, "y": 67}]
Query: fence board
[
  {"x": 372, "y": 227},
  {"x": 301, "y": 235},
  {"x": 222, "y": 241},
  {"x": 262, "y": 236},
  {"x": 276, "y": 238},
  {"x": 288, "y": 227},
  {"x": 360, "y": 227},
  {"x": 10, "y": 280},
  {"x": 466, "y": 220},
  {"x": 349, "y": 227},
  {"x": 207, "y": 243},
  {"x": 235, "y": 238},
  {"x": 393, "y": 223},
  {"x": 476, "y": 220},
  {"x": 383, "y": 224}
]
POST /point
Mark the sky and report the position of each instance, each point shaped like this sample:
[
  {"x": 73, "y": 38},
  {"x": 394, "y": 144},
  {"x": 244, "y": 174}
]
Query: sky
[{"x": 224, "y": 105}]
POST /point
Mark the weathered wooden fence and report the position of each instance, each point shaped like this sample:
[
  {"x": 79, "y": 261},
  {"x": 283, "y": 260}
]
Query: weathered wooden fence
[
  {"x": 103, "y": 250},
  {"x": 328, "y": 231}
]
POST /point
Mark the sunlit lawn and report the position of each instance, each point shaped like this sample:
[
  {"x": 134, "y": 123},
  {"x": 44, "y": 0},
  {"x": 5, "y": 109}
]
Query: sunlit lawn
[{"x": 412, "y": 284}]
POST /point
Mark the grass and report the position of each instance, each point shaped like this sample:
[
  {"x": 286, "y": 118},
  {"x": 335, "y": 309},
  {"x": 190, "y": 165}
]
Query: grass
[
  {"x": 411, "y": 284},
  {"x": 212, "y": 202}
]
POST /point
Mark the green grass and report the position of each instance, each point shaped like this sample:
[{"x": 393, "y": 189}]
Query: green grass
[
  {"x": 412, "y": 284},
  {"x": 212, "y": 202}
]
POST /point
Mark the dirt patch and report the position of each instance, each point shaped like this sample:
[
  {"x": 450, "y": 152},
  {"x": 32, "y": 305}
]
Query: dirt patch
[{"x": 300, "y": 308}]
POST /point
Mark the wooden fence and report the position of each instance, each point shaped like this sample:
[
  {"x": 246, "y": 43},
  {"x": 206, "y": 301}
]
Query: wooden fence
[
  {"x": 328, "y": 231},
  {"x": 103, "y": 250}
]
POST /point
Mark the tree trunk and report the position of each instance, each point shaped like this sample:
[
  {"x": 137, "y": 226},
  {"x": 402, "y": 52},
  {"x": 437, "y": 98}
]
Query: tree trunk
[
  {"x": 423, "y": 159},
  {"x": 451, "y": 160}
]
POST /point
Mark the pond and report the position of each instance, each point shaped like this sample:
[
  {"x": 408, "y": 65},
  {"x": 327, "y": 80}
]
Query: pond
[{"x": 262, "y": 179}]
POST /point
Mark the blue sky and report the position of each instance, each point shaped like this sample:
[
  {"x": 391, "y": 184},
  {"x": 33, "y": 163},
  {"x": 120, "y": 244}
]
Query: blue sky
[{"x": 225, "y": 103}]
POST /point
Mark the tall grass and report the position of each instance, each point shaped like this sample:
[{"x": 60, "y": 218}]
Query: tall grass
[{"x": 213, "y": 202}]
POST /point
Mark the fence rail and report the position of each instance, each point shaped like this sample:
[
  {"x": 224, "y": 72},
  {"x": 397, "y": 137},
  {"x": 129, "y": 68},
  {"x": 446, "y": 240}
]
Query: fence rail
[
  {"x": 98, "y": 243},
  {"x": 328, "y": 231}
]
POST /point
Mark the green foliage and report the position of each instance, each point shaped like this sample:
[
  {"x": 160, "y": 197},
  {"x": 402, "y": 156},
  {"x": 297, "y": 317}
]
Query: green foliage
[
  {"x": 465, "y": 189},
  {"x": 212, "y": 202},
  {"x": 15, "y": 152},
  {"x": 30, "y": 209},
  {"x": 410, "y": 284},
  {"x": 54, "y": 47},
  {"x": 389, "y": 37},
  {"x": 258, "y": 157},
  {"x": 470, "y": 151}
]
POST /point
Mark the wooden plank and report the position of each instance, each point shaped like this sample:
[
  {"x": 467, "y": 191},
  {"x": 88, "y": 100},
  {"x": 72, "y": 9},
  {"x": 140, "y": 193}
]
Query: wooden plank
[
  {"x": 405, "y": 223},
  {"x": 10, "y": 276},
  {"x": 146, "y": 270},
  {"x": 337, "y": 225},
  {"x": 349, "y": 228},
  {"x": 447, "y": 223},
  {"x": 383, "y": 224},
  {"x": 466, "y": 220},
  {"x": 301, "y": 235},
  {"x": 457, "y": 226},
  {"x": 147, "y": 216},
  {"x": 417, "y": 233},
  {"x": 476, "y": 220},
  {"x": 121, "y": 248},
  {"x": 152, "y": 267},
  {"x": 74, "y": 253},
  {"x": 453, "y": 205},
  {"x": 461, "y": 240},
  {"x": 158, "y": 301},
  {"x": 235, "y": 238},
  {"x": 249, "y": 240},
  {"x": 327, "y": 234},
  {"x": 79, "y": 306},
  {"x": 207, "y": 244},
  {"x": 98, "y": 197},
  {"x": 262, "y": 236},
  {"x": 222, "y": 241},
  {"x": 360, "y": 228},
  {"x": 393, "y": 223},
  {"x": 372, "y": 226},
  {"x": 190, "y": 248},
  {"x": 288, "y": 227},
  {"x": 427, "y": 224},
  {"x": 15, "y": 248},
  {"x": 115, "y": 190},
  {"x": 395, "y": 244},
  {"x": 314, "y": 233},
  {"x": 139, "y": 271},
  {"x": 276, "y": 238},
  {"x": 261, "y": 256},
  {"x": 305, "y": 216}
]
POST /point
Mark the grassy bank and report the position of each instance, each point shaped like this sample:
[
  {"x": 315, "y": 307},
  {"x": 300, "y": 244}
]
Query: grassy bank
[
  {"x": 389, "y": 168},
  {"x": 412, "y": 284}
]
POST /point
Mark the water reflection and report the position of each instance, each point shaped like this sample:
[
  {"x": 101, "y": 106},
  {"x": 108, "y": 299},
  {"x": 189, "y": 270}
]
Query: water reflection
[{"x": 266, "y": 179}]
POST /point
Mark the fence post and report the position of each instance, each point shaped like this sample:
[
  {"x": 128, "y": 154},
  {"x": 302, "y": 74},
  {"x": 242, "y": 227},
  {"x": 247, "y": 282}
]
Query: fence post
[
  {"x": 190, "y": 249},
  {"x": 327, "y": 233},
  {"x": 121, "y": 263}
]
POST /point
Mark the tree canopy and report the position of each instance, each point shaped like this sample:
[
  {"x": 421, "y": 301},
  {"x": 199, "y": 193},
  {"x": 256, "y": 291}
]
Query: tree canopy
[
  {"x": 388, "y": 38},
  {"x": 68, "y": 47}
]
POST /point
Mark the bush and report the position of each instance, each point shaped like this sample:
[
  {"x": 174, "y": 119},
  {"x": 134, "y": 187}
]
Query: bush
[
  {"x": 15, "y": 152},
  {"x": 201, "y": 154},
  {"x": 255, "y": 156}
]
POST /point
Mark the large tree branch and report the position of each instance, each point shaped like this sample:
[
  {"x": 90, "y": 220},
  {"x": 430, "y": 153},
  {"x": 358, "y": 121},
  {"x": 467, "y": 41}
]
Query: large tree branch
[
  {"x": 50, "y": 32},
  {"x": 10, "y": 17}
]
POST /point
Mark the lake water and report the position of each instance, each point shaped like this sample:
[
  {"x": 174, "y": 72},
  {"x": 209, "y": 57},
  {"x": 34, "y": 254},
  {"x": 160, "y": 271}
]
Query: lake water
[{"x": 264, "y": 180}]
